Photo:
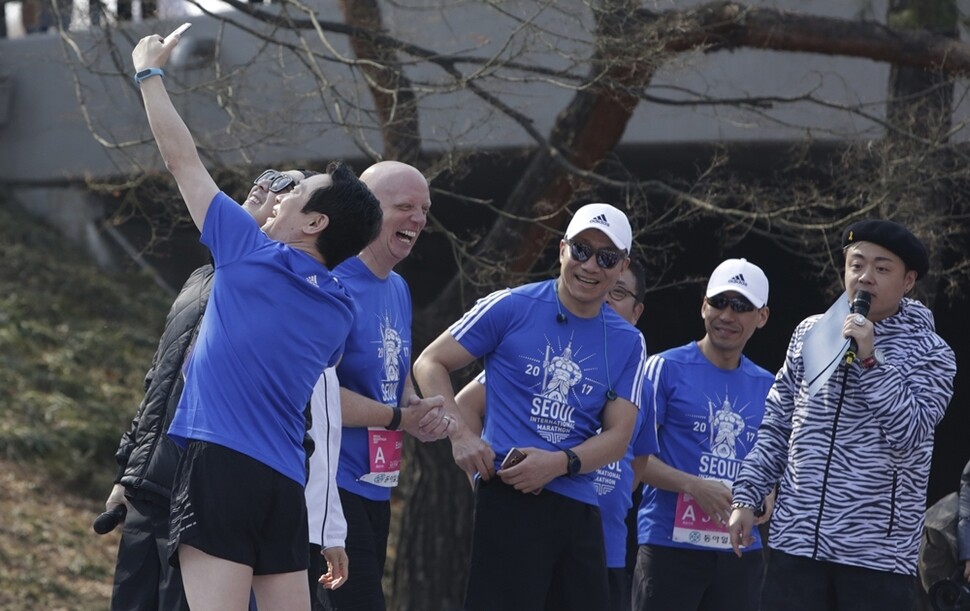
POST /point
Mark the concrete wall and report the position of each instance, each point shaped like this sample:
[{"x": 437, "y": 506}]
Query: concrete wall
[
  {"x": 45, "y": 135},
  {"x": 69, "y": 111}
]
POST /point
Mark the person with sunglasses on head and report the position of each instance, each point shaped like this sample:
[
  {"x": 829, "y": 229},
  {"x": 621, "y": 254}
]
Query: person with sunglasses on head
[
  {"x": 276, "y": 318},
  {"x": 614, "y": 482},
  {"x": 847, "y": 437},
  {"x": 146, "y": 456},
  {"x": 565, "y": 375},
  {"x": 709, "y": 401}
]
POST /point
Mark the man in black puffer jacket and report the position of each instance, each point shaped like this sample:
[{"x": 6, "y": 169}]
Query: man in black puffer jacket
[{"x": 147, "y": 457}]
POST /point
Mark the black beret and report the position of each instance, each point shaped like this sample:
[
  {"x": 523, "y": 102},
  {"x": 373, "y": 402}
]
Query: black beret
[{"x": 894, "y": 238}]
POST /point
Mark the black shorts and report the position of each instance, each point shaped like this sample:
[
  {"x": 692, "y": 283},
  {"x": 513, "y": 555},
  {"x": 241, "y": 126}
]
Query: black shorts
[{"x": 234, "y": 507}]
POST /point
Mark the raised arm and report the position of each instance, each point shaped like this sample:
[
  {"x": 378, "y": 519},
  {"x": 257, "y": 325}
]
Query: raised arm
[{"x": 172, "y": 136}]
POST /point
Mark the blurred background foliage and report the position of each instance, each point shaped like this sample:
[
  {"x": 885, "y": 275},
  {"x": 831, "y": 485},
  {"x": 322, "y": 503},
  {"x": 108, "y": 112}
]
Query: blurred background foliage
[{"x": 75, "y": 343}]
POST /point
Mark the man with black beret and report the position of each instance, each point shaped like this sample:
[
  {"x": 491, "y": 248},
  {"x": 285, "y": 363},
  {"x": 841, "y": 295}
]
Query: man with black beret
[{"x": 850, "y": 448}]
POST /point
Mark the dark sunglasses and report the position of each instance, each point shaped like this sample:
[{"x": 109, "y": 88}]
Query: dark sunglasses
[
  {"x": 278, "y": 181},
  {"x": 738, "y": 304},
  {"x": 607, "y": 258}
]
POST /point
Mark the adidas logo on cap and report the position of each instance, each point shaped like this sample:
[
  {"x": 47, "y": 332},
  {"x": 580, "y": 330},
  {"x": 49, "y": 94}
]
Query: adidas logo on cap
[
  {"x": 600, "y": 219},
  {"x": 739, "y": 279}
]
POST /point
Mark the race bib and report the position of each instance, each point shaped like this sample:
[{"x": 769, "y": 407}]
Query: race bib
[
  {"x": 384, "y": 448},
  {"x": 692, "y": 525}
]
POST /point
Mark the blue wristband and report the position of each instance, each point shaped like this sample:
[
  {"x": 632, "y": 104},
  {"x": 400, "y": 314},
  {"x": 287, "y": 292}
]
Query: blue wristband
[{"x": 147, "y": 72}]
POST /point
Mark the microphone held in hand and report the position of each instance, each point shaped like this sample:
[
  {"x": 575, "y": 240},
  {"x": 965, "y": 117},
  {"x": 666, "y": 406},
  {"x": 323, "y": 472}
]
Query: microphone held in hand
[
  {"x": 107, "y": 521},
  {"x": 860, "y": 306}
]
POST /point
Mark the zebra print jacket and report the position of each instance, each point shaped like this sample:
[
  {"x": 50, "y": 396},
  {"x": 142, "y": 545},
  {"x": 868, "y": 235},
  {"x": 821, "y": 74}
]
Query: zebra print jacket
[{"x": 852, "y": 463}]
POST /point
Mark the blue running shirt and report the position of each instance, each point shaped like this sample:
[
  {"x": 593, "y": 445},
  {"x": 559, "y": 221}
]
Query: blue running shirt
[
  {"x": 275, "y": 320},
  {"x": 547, "y": 381},
  {"x": 376, "y": 363},
  {"x": 614, "y": 482},
  {"x": 707, "y": 422}
]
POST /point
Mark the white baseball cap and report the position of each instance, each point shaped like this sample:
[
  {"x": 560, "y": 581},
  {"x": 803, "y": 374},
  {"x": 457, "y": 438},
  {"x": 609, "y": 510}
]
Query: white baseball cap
[
  {"x": 742, "y": 277},
  {"x": 605, "y": 218}
]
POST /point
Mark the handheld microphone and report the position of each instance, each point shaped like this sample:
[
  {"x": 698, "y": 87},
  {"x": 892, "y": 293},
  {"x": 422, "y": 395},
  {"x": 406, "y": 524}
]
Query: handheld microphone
[
  {"x": 860, "y": 305},
  {"x": 107, "y": 521}
]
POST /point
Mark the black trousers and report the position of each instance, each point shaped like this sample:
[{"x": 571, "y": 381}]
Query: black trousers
[
  {"x": 144, "y": 580},
  {"x": 794, "y": 583},
  {"x": 679, "y": 579},
  {"x": 368, "y": 525},
  {"x": 533, "y": 552}
]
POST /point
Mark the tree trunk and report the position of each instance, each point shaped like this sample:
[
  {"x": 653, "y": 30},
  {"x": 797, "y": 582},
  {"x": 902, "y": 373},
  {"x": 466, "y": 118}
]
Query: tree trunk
[
  {"x": 393, "y": 97},
  {"x": 585, "y": 132}
]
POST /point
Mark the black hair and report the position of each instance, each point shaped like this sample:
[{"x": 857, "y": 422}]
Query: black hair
[
  {"x": 639, "y": 279},
  {"x": 355, "y": 215}
]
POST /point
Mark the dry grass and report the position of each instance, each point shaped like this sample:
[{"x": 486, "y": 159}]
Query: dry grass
[
  {"x": 49, "y": 556},
  {"x": 75, "y": 343}
]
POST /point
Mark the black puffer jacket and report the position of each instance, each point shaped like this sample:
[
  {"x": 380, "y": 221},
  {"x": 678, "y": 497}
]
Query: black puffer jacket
[
  {"x": 963, "y": 526},
  {"x": 146, "y": 456}
]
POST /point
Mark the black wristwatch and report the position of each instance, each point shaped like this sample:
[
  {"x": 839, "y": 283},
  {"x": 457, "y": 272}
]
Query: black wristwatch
[{"x": 573, "y": 464}]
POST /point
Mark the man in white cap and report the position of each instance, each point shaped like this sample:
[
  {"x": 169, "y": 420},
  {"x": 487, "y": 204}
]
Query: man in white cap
[
  {"x": 537, "y": 525},
  {"x": 709, "y": 402}
]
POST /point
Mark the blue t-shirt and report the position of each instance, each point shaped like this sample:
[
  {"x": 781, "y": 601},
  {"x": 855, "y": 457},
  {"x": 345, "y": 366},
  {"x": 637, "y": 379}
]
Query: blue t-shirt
[
  {"x": 614, "y": 482},
  {"x": 707, "y": 422},
  {"x": 548, "y": 381},
  {"x": 376, "y": 363},
  {"x": 275, "y": 320}
]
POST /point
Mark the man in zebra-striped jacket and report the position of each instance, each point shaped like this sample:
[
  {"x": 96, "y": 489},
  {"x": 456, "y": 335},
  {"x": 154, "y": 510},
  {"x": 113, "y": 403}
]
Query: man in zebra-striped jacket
[{"x": 852, "y": 460}]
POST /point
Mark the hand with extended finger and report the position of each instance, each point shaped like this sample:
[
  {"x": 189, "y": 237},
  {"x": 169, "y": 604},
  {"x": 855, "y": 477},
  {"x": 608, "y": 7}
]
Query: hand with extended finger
[
  {"x": 739, "y": 528},
  {"x": 152, "y": 52}
]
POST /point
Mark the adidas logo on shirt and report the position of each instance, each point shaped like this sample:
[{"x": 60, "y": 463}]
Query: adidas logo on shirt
[
  {"x": 739, "y": 279},
  {"x": 600, "y": 219},
  {"x": 312, "y": 280}
]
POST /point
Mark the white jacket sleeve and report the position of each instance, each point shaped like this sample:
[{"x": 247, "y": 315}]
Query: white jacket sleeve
[{"x": 325, "y": 516}]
